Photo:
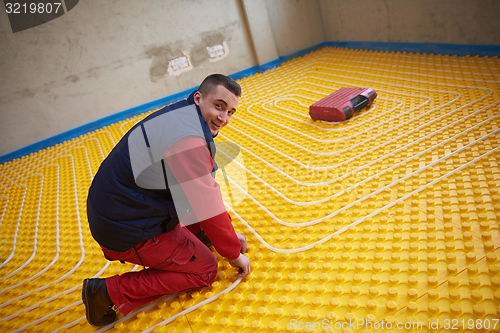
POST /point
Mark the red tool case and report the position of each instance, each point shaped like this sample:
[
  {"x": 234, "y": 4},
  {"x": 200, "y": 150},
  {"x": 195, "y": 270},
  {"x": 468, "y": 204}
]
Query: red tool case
[{"x": 342, "y": 104}]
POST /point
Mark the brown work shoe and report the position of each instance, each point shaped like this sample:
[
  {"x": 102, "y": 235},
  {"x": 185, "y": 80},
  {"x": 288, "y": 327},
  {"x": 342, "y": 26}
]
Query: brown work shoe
[{"x": 98, "y": 305}]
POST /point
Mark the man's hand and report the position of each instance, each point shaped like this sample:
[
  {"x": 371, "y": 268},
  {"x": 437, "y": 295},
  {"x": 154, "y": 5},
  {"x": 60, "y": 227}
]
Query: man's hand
[
  {"x": 243, "y": 241},
  {"x": 243, "y": 263}
]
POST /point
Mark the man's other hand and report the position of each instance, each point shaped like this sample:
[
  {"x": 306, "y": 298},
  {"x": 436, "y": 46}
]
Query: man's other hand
[
  {"x": 243, "y": 263},
  {"x": 243, "y": 241}
]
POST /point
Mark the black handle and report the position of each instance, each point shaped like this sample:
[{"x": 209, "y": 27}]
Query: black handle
[{"x": 359, "y": 102}]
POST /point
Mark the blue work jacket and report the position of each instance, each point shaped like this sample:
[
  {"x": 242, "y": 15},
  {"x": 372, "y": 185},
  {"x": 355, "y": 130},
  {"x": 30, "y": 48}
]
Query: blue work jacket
[{"x": 121, "y": 213}]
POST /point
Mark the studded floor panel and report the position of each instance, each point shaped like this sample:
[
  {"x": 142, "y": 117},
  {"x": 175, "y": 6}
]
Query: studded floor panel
[{"x": 386, "y": 222}]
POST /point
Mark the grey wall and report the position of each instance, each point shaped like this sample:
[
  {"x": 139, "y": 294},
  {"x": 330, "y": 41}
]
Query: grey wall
[
  {"x": 104, "y": 57},
  {"x": 417, "y": 21},
  {"x": 296, "y": 24},
  {"x": 282, "y": 27}
]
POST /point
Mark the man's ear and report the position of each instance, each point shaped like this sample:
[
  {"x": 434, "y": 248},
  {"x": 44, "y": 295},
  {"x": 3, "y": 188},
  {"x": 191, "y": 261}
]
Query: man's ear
[{"x": 197, "y": 97}]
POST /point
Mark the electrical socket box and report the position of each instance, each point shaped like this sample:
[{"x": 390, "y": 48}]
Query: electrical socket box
[
  {"x": 216, "y": 51},
  {"x": 179, "y": 63}
]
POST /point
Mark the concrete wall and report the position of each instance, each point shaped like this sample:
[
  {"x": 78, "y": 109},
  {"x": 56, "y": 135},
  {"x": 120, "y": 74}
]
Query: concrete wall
[
  {"x": 103, "y": 57},
  {"x": 282, "y": 27},
  {"x": 296, "y": 24},
  {"x": 259, "y": 29},
  {"x": 417, "y": 21}
]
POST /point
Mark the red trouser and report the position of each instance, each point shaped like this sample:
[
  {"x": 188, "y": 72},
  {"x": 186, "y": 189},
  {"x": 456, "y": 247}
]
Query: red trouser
[{"x": 177, "y": 261}]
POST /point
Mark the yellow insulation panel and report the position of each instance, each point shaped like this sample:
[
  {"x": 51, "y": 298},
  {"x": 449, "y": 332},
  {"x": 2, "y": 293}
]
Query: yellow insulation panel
[{"x": 386, "y": 222}]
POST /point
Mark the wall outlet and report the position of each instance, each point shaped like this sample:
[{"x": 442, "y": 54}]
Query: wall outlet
[
  {"x": 216, "y": 51},
  {"x": 179, "y": 63}
]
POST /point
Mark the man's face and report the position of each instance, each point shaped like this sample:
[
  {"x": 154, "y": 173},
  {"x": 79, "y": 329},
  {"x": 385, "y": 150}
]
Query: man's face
[{"x": 217, "y": 107}]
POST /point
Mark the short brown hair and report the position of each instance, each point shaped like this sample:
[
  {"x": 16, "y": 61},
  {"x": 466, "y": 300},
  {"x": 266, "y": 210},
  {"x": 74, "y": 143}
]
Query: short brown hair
[{"x": 214, "y": 80}]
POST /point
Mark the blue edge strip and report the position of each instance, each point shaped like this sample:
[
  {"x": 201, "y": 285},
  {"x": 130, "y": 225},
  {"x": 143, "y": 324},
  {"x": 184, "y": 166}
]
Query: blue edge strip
[{"x": 450, "y": 49}]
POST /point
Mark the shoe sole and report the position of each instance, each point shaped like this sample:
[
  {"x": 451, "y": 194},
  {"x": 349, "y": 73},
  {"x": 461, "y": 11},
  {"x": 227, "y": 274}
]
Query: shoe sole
[
  {"x": 85, "y": 301},
  {"x": 87, "y": 305}
]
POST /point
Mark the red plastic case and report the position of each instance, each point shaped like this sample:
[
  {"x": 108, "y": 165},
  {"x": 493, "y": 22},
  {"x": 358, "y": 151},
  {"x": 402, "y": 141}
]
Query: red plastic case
[{"x": 342, "y": 104}]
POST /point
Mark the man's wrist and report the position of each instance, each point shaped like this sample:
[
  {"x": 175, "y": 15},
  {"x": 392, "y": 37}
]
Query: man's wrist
[{"x": 233, "y": 259}]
